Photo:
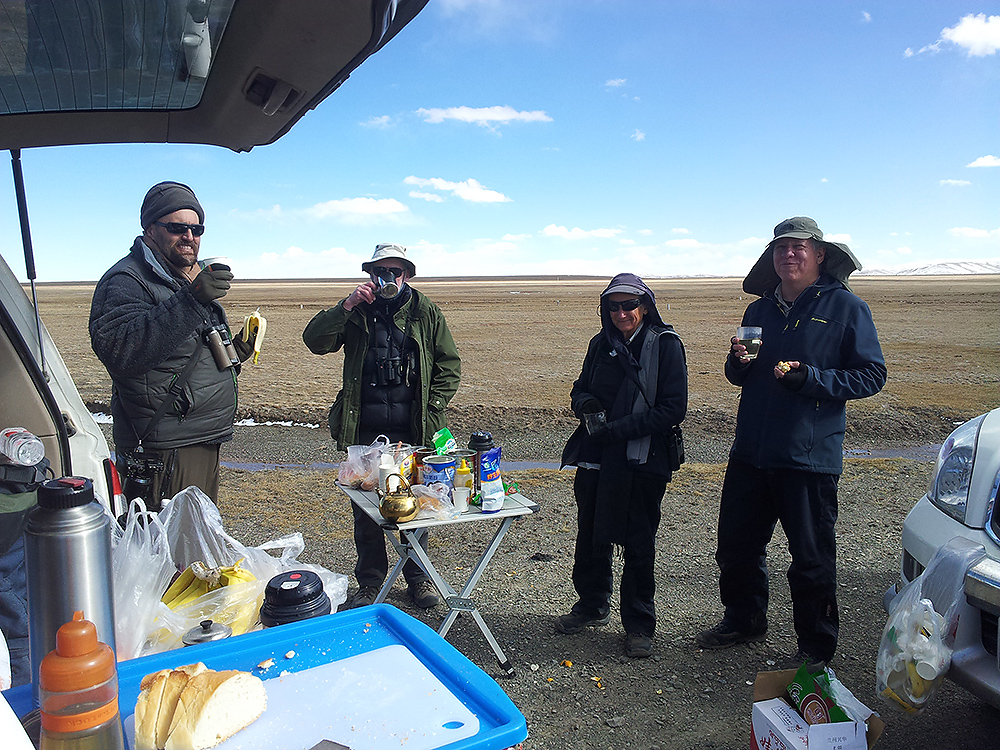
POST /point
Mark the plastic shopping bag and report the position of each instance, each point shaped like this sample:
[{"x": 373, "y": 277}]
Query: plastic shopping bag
[
  {"x": 194, "y": 532},
  {"x": 919, "y": 635},
  {"x": 360, "y": 468},
  {"x": 435, "y": 501},
  {"x": 143, "y": 567}
]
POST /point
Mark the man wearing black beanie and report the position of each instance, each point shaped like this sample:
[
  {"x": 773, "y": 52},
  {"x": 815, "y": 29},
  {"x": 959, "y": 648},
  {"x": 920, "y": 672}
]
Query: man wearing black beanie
[{"x": 157, "y": 325}]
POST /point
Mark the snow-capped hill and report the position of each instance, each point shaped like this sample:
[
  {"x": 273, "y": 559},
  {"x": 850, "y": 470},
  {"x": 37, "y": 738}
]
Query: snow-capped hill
[{"x": 937, "y": 269}]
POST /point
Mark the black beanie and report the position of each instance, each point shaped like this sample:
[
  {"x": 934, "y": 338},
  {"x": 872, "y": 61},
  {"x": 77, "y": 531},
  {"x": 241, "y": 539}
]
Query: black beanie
[{"x": 165, "y": 198}]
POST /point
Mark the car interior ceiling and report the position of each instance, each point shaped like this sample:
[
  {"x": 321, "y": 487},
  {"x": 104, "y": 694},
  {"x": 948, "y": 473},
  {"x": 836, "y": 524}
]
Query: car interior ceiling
[{"x": 102, "y": 72}]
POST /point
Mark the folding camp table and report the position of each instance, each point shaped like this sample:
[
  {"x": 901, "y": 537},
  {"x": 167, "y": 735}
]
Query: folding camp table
[{"x": 407, "y": 545}]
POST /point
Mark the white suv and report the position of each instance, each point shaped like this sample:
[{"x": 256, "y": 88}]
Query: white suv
[{"x": 962, "y": 502}]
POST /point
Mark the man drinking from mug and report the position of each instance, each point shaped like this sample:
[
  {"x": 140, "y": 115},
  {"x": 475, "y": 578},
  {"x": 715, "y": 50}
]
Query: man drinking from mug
[
  {"x": 401, "y": 368},
  {"x": 157, "y": 325}
]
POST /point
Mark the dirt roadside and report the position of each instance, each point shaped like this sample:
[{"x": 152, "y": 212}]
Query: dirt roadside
[{"x": 516, "y": 385}]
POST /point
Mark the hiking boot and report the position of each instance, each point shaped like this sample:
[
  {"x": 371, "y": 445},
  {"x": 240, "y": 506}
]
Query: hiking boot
[
  {"x": 638, "y": 646},
  {"x": 725, "y": 635},
  {"x": 365, "y": 596},
  {"x": 424, "y": 594},
  {"x": 813, "y": 663},
  {"x": 574, "y": 622}
]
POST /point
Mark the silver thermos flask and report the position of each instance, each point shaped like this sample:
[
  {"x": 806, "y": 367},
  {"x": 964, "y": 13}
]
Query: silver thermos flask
[{"x": 67, "y": 551}]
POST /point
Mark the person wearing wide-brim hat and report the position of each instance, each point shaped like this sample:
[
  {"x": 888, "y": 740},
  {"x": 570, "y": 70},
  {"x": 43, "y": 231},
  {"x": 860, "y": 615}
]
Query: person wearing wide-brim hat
[
  {"x": 634, "y": 384},
  {"x": 819, "y": 348},
  {"x": 401, "y": 368}
]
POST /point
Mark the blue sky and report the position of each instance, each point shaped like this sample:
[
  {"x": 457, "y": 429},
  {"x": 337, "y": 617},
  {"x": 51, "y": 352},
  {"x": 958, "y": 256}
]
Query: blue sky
[{"x": 667, "y": 138}]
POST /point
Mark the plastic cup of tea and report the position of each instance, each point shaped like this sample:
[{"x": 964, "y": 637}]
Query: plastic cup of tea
[
  {"x": 594, "y": 422},
  {"x": 749, "y": 336},
  {"x": 461, "y": 497}
]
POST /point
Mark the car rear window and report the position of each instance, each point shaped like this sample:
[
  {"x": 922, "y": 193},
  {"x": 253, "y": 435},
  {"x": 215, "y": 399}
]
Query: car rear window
[{"x": 76, "y": 55}]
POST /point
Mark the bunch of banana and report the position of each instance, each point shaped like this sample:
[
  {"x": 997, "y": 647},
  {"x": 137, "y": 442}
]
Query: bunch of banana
[
  {"x": 254, "y": 323},
  {"x": 198, "y": 579}
]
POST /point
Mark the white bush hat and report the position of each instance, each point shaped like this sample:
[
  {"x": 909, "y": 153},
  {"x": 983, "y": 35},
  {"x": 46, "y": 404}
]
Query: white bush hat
[{"x": 390, "y": 251}]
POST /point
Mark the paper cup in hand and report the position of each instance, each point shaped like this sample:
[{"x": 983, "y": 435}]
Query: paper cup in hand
[{"x": 219, "y": 261}]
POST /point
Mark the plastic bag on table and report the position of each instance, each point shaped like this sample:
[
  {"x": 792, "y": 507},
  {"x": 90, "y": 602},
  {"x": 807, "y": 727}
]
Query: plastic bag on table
[
  {"x": 435, "y": 501},
  {"x": 194, "y": 532},
  {"x": 360, "y": 468},
  {"x": 143, "y": 567},
  {"x": 919, "y": 635}
]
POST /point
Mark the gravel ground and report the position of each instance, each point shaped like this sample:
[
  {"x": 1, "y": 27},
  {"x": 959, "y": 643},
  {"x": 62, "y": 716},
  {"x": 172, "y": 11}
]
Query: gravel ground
[{"x": 580, "y": 691}]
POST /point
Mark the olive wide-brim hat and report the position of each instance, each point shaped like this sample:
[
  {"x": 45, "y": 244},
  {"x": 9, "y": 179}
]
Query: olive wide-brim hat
[{"x": 839, "y": 261}]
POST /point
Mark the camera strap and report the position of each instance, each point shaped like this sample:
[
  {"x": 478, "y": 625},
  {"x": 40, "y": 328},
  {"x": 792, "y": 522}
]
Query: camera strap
[{"x": 173, "y": 392}]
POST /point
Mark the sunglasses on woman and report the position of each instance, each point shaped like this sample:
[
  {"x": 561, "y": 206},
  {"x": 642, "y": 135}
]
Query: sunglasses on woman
[
  {"x": 177, "y": 227},
  {"x": 628, "y": 305}
]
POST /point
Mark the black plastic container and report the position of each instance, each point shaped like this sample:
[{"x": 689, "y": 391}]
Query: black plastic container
[{"x": 292, "y": 596}]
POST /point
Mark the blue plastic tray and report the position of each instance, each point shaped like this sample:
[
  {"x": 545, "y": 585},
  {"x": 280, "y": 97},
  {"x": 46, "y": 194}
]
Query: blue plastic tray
[{"x": 322, "y": 640}]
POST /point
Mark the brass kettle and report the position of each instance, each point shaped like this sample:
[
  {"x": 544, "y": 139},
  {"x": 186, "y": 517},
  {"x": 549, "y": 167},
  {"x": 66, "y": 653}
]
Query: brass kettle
[{"x": 398, "y": 506}]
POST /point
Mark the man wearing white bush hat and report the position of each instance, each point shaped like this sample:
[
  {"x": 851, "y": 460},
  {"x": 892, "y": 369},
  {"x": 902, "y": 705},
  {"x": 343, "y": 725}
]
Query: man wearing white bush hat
[{"x": 401, "y": 368}]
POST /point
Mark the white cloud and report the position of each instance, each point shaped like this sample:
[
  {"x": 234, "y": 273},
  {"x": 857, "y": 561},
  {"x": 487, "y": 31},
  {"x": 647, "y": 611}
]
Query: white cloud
[
  {"x": 978, "y": 35},
  {"x": 866, "y": 17},
  {"x": 615, "y": 82},
  {"x": 645, "y": 232},
  {"x": 578, "y": 234},
  {"x": 685, "y": 244},
  {"x": 359, "y": 210},
  {"x": 973, "y": 233},
  {"x": 638, "y": 135},
  {"x": 468, "y": 190},
  {"x": 487, "y": 117},
  {"x": 680, "y": 230},
  {"x": 381, "y": 122},
  {"x": 845, "y": 238},
  {"x": 823, "y": 179},
  {"x": 985, "y": 161},
  {"x": 626, "y": 242},
  {"x": 431, "y": 197},
  {"x": 955, "y": 183}
]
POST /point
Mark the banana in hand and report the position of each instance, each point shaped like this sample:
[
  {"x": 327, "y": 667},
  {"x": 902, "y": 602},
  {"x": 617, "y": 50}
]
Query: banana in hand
[{"x": 254, "y": 323}]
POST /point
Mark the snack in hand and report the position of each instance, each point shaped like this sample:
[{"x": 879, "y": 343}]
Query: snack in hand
[
  {"x": 195, "y": 708},
  {"x": 784, "y": 366}
]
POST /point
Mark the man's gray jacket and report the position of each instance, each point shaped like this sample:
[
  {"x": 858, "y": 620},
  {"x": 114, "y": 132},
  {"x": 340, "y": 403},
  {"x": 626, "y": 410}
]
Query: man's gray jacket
[{"x": 145, "y": 325}]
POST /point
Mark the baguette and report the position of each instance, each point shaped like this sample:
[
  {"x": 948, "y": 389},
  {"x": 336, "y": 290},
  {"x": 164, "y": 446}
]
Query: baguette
[
  {"x": 213, "y": 707},
  {"x": 147, "y": 709},
  {"x": 194, "y": 708}
]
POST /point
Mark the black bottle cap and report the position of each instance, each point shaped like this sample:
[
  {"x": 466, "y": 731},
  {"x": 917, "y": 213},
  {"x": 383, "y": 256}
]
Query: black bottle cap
[
  {"x": 65, "y": 492},
  {"x": 480, "y": 441}
]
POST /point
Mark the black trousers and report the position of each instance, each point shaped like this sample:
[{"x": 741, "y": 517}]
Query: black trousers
[
  {"x": 753, "y": 501},
  {"x": 592, "y": 574},
  {"x": 373, "y": 563}
]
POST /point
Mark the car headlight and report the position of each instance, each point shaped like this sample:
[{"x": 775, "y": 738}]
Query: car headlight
[{"x": 949, "y": 489}]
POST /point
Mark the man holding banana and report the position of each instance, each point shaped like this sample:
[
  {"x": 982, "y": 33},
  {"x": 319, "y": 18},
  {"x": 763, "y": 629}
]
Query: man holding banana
[{"x": 158, "y": 327}]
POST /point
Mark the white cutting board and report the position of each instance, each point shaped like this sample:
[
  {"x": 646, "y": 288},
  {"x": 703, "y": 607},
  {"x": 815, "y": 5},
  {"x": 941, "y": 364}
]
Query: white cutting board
[{"x": 384, "y": 698}]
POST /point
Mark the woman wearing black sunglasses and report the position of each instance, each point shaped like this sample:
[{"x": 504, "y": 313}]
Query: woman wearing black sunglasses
[{"x": 630, "y": 396}]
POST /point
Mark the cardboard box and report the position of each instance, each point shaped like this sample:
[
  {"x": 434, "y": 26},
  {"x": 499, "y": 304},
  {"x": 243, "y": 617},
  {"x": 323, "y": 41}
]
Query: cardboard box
[{"x": 776, "y": 725}]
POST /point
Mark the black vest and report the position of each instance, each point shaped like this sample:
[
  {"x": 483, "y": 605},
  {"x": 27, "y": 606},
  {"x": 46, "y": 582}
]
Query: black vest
[{"x": 389, "y": 374}]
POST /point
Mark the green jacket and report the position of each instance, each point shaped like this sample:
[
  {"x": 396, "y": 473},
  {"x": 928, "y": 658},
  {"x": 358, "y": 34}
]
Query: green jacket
[{"x": 440, "y": 366}]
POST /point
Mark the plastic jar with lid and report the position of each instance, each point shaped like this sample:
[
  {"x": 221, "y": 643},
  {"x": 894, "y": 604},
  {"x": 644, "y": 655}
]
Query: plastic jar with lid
[{"x": 78, "y": 692}]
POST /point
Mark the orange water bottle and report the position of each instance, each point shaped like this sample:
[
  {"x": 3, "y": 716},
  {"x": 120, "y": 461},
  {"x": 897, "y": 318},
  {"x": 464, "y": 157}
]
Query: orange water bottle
[{"x": 78, "y": 691}]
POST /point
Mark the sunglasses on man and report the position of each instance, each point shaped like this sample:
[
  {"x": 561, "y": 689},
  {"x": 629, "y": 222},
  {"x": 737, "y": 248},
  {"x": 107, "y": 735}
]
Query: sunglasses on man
[
  {"x": 178, "y": 227},
  {"x": 628, "y": 305},
  {"x": 383, "y": 270}
]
